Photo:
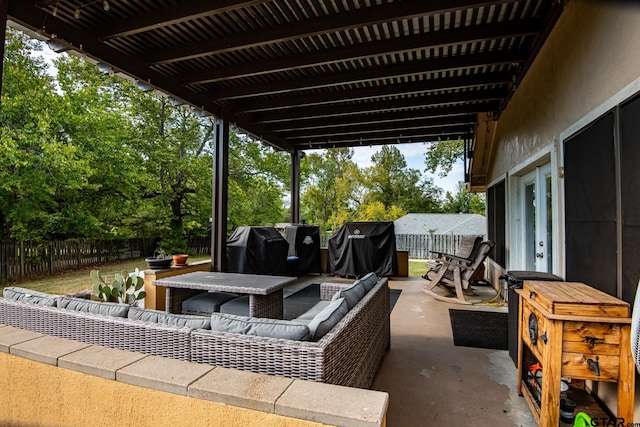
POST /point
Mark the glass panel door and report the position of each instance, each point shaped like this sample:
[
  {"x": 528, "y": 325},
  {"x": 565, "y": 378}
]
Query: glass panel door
[
  {"x": 537, "y": 219},
  {"x": 530, "y": 226}
]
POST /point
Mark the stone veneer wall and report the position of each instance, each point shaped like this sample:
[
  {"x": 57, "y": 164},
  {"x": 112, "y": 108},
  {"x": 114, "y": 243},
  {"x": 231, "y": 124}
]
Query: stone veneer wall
[{"x": 46, "y": 381}]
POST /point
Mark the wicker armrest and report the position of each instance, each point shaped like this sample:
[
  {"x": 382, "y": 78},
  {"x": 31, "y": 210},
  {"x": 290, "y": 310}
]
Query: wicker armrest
[
  {"x": 328, "y": 289},
  {"x": 115, "y": 332}
]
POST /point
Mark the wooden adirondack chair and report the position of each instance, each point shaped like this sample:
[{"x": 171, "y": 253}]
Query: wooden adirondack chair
[
  {"x": 458, "y": 273},
  {"x": 467, "y": 249}
]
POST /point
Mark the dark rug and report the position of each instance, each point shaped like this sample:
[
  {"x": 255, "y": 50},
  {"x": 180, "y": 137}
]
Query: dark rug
[
  {"x": 299, "y": 302},
  {"x": 296, "y": 304},
  {"x": 393, "y": 298},
  {"x": 484, "y": 329}
]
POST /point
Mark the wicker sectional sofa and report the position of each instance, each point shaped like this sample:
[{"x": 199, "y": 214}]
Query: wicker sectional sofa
[{"x": 348, "y": 354}]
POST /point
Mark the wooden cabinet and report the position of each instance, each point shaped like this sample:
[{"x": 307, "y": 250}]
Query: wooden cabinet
[{"x": 577, "y": 332}]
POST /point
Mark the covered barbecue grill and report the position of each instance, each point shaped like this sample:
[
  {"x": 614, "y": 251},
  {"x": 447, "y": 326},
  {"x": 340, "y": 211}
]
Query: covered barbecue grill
[
  {"x": 304, "y": 244},
  {"x": 361, "y": 247},
  {"x": 257, "y": 250}
]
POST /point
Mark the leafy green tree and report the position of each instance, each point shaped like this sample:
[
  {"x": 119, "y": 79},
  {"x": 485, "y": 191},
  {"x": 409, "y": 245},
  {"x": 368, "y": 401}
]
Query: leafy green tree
[
  {"x": 86, "y": 154},
  {"x": 41, "y": 167},
  {"x": 258, "y": 180},
  {"x": 464, "y": 202},
  {"x": 332, "y": 188},
  {"x": 376, "y": 211},
  {"x": 95, "y": 119},
  {"x": 390, "y": 182},
  {"x": 442, "y": 155},
  {"x": 174, "y": 145}
]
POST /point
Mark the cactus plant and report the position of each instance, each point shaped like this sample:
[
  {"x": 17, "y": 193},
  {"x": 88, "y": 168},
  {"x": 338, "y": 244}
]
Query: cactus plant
[{"x": 125, "y": 289}]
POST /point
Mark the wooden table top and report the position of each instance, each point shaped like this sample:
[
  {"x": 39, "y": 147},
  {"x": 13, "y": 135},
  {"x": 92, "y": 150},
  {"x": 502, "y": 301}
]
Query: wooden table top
[
  {"x": 574, "y": 299},
  {"x": 256, "y": 284}
]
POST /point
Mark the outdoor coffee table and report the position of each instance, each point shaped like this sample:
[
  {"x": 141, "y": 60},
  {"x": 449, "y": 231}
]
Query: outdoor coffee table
[{"x": 265, "y": 292}]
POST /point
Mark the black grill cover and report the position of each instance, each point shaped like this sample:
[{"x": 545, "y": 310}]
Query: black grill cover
[
  {"x": 515, "y": 280},
  {"x": 304, "y": 243},
  {"x": 257, "y": 250},
  {"x": 361, "y": 247}
]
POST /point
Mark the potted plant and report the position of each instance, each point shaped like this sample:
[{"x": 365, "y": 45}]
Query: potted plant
[
  {"x": 125, "y": 289},
  {"x": 180, "y": 260},
  {"x": 175, "y": 243},
  {"x": 160, "y": 261}
]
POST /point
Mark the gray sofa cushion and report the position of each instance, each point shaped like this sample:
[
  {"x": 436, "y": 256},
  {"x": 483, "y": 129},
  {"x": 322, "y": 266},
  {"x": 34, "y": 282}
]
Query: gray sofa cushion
[
  {"x": 352, "y": 294},
  {"x": 328, "y": 318},
  {"x": 96, "y": 307},
  {"x": 155, "y": 316},
  {"x": 27, "y": 295},
  {"x": 368, "y": 281},
  {"x": 238, "y": 306},
  {"x": 313, "y": 311},
  {"x": 272, "y": 328},
  {"x": 207, "y": 302}
]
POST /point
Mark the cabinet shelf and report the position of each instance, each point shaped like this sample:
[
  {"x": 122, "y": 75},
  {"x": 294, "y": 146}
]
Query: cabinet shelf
[{"x": 585, "y": 402}]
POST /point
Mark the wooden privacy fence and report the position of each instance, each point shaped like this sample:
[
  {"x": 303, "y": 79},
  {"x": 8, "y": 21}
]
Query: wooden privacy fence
[
  {"x": 422, "y": 246},
  {"x": 20, "y": 260}
]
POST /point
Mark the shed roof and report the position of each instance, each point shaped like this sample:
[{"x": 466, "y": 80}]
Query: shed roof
[{"x": 427, "y": 223}]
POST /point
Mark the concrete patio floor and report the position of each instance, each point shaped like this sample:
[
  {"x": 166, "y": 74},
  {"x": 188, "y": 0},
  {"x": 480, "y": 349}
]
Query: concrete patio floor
[{"x": 430, "y": 381}]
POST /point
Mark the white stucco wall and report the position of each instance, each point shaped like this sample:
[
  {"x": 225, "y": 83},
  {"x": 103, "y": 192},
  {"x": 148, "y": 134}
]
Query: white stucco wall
[{"x": 592, "y": 54}]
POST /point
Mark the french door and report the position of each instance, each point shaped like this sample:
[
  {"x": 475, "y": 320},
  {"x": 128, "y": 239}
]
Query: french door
[{"x": 537, "y": 232}]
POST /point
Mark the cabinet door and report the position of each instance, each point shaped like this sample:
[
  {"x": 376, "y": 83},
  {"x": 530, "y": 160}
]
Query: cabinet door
[{"x": 587, "y": 343}]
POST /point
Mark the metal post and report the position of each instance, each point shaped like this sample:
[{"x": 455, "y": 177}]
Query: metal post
[
  {"x": 220, "y": 195},
  {"x": 296, "y": 156}
]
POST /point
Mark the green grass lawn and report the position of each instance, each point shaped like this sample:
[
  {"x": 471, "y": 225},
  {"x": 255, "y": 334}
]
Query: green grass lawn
[
  {"x": 72, "y": 282},
  {"x": 417, "y": 268},
  {"x": 75, "y": 281}
]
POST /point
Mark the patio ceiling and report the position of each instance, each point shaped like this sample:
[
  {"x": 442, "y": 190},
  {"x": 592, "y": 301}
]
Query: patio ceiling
[{"x": 302, "y": 74}]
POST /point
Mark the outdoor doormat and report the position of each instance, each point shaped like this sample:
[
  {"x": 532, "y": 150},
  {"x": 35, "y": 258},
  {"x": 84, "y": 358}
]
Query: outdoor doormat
[
  {"x": 394, "y": 294},
  {"x": 299, "y": 302},
  {"x": 483, "y": 329}
]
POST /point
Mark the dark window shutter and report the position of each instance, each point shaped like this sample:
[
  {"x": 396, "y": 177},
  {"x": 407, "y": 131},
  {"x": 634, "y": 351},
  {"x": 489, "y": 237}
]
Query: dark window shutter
[
  {"x": 590, "y": 206},
  {"x": 496, "y": 221}
]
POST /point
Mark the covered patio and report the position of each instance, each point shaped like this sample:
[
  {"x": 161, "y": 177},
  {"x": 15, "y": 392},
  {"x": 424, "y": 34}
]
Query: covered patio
[{"x": 312, "y": 74}]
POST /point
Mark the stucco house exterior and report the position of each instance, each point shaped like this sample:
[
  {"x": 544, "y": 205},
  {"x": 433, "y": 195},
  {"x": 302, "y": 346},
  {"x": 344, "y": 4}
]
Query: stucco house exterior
[
  {"x": 570, "y": 134},
  {"x": 561, "y": 165}
]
